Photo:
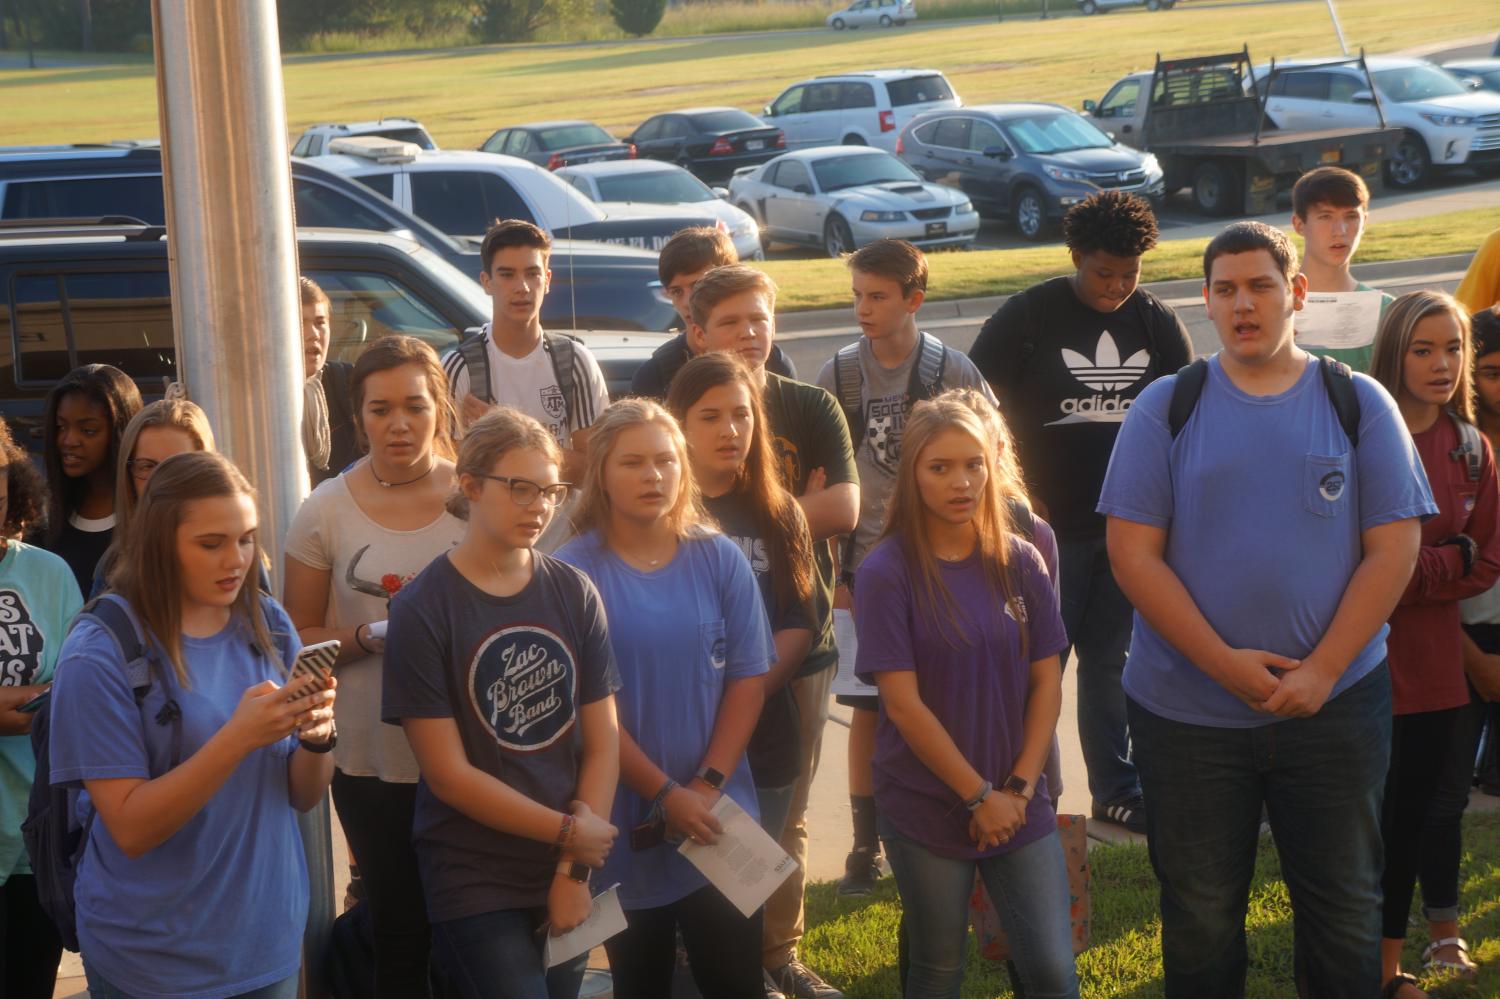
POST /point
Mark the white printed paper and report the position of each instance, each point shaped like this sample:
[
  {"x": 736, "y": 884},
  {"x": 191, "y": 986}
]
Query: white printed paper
[
  {"x": 1338, "y": 320},
  {"x": 377, "y": 629},
  {"x": 605, "y": 919},
  {"x": 746, "y": 864},
  {"x": 844, "y": 681}
]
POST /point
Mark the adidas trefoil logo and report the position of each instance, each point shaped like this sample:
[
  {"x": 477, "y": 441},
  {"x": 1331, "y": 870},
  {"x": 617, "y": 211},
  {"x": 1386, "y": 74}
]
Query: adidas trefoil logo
[{"x": 1106, "y": 372}]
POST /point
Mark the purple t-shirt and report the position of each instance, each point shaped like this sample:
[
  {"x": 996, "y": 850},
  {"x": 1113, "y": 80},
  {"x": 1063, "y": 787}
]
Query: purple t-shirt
[{"x": 974, "y": 683}]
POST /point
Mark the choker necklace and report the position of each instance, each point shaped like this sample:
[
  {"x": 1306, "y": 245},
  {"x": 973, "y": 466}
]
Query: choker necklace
[{"x": 405, "y": 482}]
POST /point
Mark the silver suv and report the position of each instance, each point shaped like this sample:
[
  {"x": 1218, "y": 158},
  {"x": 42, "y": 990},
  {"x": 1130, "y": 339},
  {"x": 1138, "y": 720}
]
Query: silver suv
[
  {"x": 315, "y": 139},
  {"x": 858, "y": 109}
]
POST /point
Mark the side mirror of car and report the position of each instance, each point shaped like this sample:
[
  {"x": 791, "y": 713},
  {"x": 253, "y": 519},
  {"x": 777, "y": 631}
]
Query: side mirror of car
[
  {"x": 802, "y": 188},
  {"x": 768, "y": 112},
  {"x": 1472, "y": 82},
  {"x": 1089, "y": 107},
  {"x": 997, "y": 152},
  {"x": 1362, "y": 97},
  {"x": 722, "y": 193}
]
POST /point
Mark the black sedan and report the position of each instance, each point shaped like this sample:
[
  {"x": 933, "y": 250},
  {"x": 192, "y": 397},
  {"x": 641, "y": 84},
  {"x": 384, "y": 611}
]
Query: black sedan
[
  {"x": 710, "y": 142},
  {"x": 554, "y": 144}
]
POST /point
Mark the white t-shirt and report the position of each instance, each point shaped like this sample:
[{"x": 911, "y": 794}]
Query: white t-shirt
[{"x": 529, "y": 384}]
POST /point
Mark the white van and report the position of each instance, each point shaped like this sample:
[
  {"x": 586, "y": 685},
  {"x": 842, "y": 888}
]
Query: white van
[{"x": 858, "y": 109}]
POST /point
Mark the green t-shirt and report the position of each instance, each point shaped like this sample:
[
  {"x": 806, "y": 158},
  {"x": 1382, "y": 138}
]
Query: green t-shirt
[
  {"x": 1359, "y": 358},
  {"x": 808, "y": 432},
  {"x": 38, "y": 597}
]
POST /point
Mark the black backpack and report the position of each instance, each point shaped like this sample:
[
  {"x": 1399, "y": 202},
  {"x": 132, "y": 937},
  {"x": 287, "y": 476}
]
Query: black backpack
[
  {"x": 1338, "y": 381},
  {"x": 54, "y": 840},
  {"x": 473, "y": 348}
]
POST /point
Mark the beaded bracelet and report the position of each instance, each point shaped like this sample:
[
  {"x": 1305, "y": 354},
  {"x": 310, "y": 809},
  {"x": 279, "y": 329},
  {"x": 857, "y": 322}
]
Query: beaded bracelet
[{"x": 564, "y": 835}]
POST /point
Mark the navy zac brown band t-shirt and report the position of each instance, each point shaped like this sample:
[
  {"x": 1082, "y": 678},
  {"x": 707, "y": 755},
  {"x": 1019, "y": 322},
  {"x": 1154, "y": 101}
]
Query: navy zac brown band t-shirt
[
  {"x": 1065, "y": 402},
  {"x": 512, "y": 673}
]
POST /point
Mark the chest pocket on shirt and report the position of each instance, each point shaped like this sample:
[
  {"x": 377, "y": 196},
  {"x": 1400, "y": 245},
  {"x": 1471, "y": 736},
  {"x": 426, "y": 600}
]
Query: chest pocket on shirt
[
  {"x": 1325, "y": 484},
  {"x": 714, "y": 649}
]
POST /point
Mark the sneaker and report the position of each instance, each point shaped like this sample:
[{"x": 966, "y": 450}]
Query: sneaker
[
  {"x": 797, "y": 981},
  {"x": 861, "y": 871},
  {"x": 1130, "y": 813},
  {"x": 772, "y": 992}
]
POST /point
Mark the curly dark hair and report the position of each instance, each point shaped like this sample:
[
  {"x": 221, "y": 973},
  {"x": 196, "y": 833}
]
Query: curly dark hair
[
  {"x": 1121, "y": 225},
  {"x": 26, "y": 490}
]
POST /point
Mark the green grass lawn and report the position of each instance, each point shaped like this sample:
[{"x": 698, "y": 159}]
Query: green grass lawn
[
  {"x": 824, "y": 284},
  {"x": 463, "y": 94},
  {"x": 853, "y": 941}
]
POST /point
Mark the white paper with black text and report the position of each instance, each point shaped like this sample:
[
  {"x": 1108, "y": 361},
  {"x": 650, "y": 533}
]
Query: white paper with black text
[
  {"x": 844, "y": 681},
  {"x": 1338, "y": 320},
  {"x": 605, "y": 919},
  {"x": 746, "y": 864}
]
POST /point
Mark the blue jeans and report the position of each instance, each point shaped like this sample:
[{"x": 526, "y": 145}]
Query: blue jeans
[
  {"x": 101, "y": 989},
  {"x": 1321, "y": 781},
  {"x": 498, "y": 955},
  {"x": 1029, "y": 887},
  {"x": 1098, "y": 619}
]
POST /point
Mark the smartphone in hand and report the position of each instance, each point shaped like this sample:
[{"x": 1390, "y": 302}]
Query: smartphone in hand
[
  {"x": 313, "y": 669},
  {"x": 31, "y": 706}
]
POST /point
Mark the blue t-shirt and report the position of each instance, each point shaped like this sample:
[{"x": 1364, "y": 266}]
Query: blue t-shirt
[
  {"x": 679, "y": 634},
  {"x": 220, "y": 907},
  {"x": 1263, "y": 505},
  {"x": 38, "y": 597}
]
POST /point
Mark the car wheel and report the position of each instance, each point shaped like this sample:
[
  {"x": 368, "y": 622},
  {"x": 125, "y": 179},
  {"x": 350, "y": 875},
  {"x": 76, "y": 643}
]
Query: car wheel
[
  {"x": 838, "y": 24},
  {"x": 1216, "y": 190},
  {"x": 1030, "y": 214},
  {"x": 1409, "y": 164},
  {"x": 885, "y": 20},
  {"x": 837, "y": 239},
  {"x": 853, "y": 140},
  {"x": 1089, "y": 7},
  {"x": 760, "y": 227}
]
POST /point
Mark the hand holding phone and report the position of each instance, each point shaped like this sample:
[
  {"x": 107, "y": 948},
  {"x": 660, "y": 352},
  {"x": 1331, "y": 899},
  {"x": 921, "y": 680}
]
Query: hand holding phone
[{"x": 313, "y": 669}]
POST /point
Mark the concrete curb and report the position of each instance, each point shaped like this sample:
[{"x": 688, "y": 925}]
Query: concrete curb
[{"x": 817, "y": 323}]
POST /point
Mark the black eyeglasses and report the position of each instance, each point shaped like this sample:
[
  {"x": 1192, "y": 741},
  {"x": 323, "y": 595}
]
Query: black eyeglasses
[{"x": 523, "y": 492}]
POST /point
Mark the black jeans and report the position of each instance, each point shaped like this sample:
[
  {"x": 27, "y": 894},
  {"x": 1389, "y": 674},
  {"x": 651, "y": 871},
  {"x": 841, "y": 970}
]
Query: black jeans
[
  {"x": 1420, "y": 747},
  {"x": 377, "y": 816},
  {"x": 29, "y": 945},
  {"x": 1442, "y": 833},
  {"x": 723, "y": 949}
]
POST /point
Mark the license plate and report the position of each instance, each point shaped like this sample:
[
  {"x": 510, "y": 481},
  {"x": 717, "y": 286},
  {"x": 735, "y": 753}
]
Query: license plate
[
  {"x": 755, "y": 144},
  {"x": 1329, "y": 156},
  {"x": 937, "y": 228}
]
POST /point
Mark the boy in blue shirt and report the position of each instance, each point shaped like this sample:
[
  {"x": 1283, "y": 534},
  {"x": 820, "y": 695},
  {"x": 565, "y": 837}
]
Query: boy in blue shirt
[{"x": 1263, "y": 546}]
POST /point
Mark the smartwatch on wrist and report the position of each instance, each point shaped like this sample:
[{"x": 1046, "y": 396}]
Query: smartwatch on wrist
[
  {"x": 574, "y": 870},
  {"x": 711, "y": 777},
  {"x": 1017, "y": 786}
]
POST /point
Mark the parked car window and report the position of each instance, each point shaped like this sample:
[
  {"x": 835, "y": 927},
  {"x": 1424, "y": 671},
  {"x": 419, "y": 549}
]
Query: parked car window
[
  {"x": 663, "y": 187},
  {"x": 790, "y": 102},
  {"x": 366, "y": 306},
  {"x": 983, "y": 135},
  {"x": 464, "y": 202},
  {"x": 383, "y": 183},
  {"x": 520, "y": 142},
  {"x": 792, "y": 173},
  {"x": 315, "y": 146},
  {"x": 839, "y": 172},
  {"x": 1342, "y": 87},
  {"x": 1306, "y": 86},
  {"x": 1417, "y": 83},
  {"x": 729, "y": 120},
  {"x": 582, "y": 184},
  {"x": 1120, "y": 102},
  {"x": 413, "y": 135},
  {"x": 673, "y": 127},
  {"x": 919, "y": 90},
  {"x": 300, "y": 149},
  {"x": 86, "y": 197},
  {"x": 496, "y": 142},
  {"x": 123, "y": 319},
  {"x": 573, "y": 135},
  {"x": 857, "y": 95},
  {"x": 924, "y": 133},
  {"x": 326, "y": 208},
  {"x": 1055, "y": 133},
  {"x": 821, "y": 97},
  {"x": 952, "y": 133}
]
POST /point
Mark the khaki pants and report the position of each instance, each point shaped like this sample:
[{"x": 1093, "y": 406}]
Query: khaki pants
[{"x": 783, "y": 915}]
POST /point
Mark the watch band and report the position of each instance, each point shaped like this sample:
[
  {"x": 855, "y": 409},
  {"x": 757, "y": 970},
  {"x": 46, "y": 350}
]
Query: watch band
[
  {"x": 574, "y": 870},
  {"x": 711, "y": 777},
  {"x": 1017, "y": 786},
  {"x": 320, "y": 747}
]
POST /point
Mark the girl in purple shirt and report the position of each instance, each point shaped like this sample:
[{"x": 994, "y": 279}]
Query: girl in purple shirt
[{"x": 966, "y": 723}]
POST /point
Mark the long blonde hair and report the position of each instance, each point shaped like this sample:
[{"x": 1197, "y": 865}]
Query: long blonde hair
[
  {"x": 1393, "y": 339},
  {"x": 686, "y": 518},
  {"x": 149, "y": 574},
  {"x": 906, "y": 521}
]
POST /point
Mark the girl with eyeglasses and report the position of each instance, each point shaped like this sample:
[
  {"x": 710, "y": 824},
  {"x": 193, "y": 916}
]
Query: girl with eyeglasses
[
  {"x": 693, "y": 645},
  {"x": 356, "y": 541},
  {"x": 499, "y": 669}
]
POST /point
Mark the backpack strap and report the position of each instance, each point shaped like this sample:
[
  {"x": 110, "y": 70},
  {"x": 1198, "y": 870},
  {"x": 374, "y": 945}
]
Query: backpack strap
[
  {"x": 849, "y": 387},
  {"x": 1022, "y": 519},
  {"x": 143, "y": 665},
  {"x": 1339, "y": 381},
  {"x": 927, "y": 374},
  {"x": 1469, "y": 450},
  {"x": 1185, "y": 393},
  {"x": 474, "y": 349},
  {"x": 560, "y": 347}
]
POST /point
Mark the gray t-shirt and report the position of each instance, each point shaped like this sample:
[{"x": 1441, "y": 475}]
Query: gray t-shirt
[
  {"x": 877, "y": 443},
  {"x": 511, "y": 672}
]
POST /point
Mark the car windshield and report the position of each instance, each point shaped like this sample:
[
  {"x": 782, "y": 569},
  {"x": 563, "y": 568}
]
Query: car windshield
[
  {"x": 659, "y": 187},
  {"x": 573, "y": 135},
  {"x": 839, "y": 172},
  {"x": 1055, "y": 133},
  {"x": 1417, "y": 83},
  {"x": 729, "y": 120}
]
